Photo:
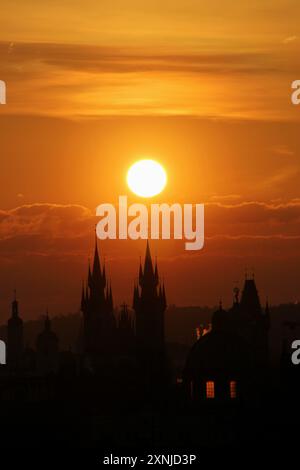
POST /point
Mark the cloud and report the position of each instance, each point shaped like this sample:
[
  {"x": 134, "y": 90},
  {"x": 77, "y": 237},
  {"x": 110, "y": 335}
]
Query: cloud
[
  {"x": 47, "y": 229},
  {"x": 44, "y": 249},
  {"x": 97, "y": 59},
  {"x": 283, "y": 150},
  {"x": 253, "y": 218},
  {"x": 225, "y": 197},
  {"x": 281, "y": 176},
  {"x": 44, "y": 228},
  {"x": 289, "y": 39},
  {"x": 91, "y": 80}
]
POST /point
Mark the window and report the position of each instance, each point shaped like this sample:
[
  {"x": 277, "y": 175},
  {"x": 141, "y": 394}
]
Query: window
[
  {"x": 232, "y": 386},
  {"x": 210, "y": 389}
]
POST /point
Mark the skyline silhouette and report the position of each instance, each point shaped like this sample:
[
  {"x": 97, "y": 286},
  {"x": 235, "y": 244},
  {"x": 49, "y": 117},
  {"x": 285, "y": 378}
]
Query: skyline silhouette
[{"x": 134, "y": 346}]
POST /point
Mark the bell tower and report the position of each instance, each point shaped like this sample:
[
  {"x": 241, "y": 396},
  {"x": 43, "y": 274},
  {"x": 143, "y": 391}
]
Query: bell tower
[{"x": 149, "y": 304}]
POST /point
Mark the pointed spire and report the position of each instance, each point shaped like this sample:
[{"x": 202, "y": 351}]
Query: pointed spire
[
  {"x": 147, "y": 276},
  {"x": 98, "y": 281},
  {"x": 15, "y": 305},
  {"x": 96, "y": 264},
  {"x": 156, "y": 271},
  {"x": 148, "y": 281},
  {"x": 148, "y": 266},
  {"x": 250, "y": 299},
  {"x": 90, "y": 278},
  {"x": 267, "y": 309},
  {"x": 140, "y": 272}
]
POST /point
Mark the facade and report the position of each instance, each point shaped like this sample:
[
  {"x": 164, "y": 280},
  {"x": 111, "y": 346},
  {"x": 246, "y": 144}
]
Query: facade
[{"x": 230, "y": 361}]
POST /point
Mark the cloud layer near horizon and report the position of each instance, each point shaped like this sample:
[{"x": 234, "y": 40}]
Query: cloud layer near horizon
[
  {"x": 46, "y": 223},
  {"x": 52, "y": 242}
]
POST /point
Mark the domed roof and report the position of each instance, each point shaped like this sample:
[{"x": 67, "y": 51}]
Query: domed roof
[
  {"x": 220, "y": 352},
  {"x": 47, "y": 338}
]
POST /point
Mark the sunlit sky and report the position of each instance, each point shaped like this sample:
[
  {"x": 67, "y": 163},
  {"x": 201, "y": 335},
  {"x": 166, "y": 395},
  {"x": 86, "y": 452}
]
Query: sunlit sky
[
  {"x": 203, "y": 87},
  {"x": 219, "y": 57}
]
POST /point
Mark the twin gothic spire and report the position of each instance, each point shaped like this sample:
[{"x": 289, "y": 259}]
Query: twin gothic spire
[{"x": 99, "y": 291}]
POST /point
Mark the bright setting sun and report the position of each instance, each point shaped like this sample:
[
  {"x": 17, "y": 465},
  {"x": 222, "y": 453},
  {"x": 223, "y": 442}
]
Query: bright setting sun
[{"x": 146, "y": 178}]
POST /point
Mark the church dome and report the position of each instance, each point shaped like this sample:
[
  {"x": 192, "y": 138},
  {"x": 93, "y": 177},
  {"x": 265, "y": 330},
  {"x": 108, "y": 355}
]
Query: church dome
[
  {"x": 47, "y": 339},
  {"x": 217, "y": 352}
]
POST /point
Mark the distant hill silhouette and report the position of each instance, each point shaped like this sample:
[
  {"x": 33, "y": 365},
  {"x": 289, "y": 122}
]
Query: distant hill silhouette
[{"x": 181, "y": 324}]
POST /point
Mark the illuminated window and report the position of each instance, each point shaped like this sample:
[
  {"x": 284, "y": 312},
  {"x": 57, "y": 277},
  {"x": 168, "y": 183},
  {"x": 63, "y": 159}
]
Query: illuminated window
[
  {"x": 210, "y": 389},
  {"x": 232, "y": 389}
]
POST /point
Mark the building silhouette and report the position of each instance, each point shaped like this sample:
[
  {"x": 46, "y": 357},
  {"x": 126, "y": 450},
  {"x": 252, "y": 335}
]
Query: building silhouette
[
  {"x": 109, "y": 339},
  {"x": 98, "y": 335},
  {"x": 230, "y": 361},
  {"x": 149, "y": 304},
  {"x": 47, "y": 350},
  {"x": 126, "y": 333},
  {"x": 15, "y": 340}
]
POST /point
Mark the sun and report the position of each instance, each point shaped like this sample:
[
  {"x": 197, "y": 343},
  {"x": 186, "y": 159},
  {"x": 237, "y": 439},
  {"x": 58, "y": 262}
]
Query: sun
[{"x": 146, "y": 178}]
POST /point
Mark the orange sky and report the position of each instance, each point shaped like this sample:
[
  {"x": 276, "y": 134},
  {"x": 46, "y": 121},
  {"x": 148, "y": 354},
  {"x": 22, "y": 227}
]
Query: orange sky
[{"x": 204, "y": 87}]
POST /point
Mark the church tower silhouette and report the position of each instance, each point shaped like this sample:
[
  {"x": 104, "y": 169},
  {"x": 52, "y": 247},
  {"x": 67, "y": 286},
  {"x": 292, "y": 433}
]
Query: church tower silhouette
[
  {"x": 99, "y": 326},
  {"x": 47, "y": 347},
  {"x": 15, "y": 340},
  {"x": 253, "y": 323},
  {"x": 149, "y": 304}
]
